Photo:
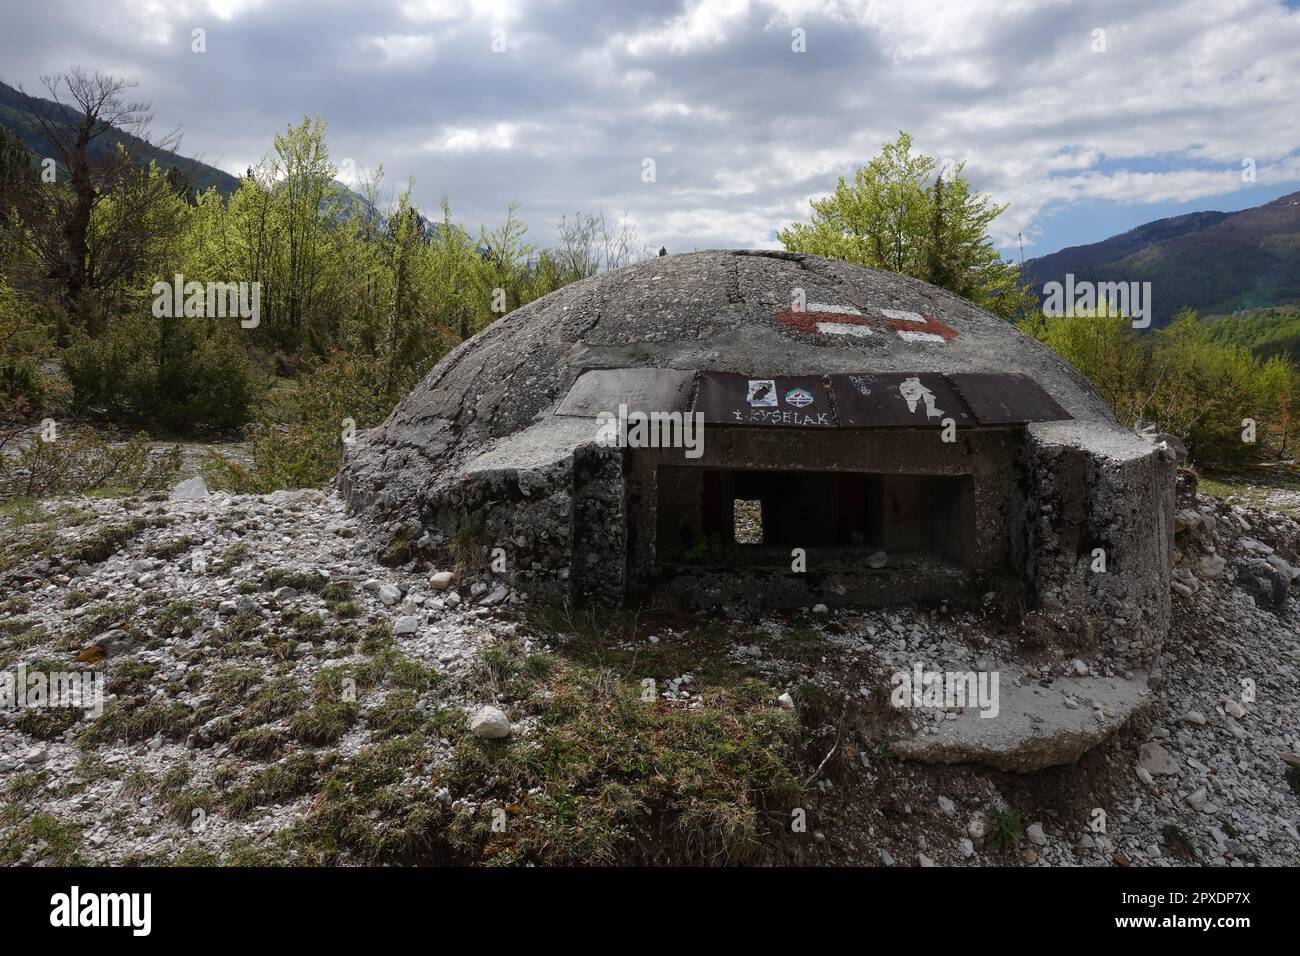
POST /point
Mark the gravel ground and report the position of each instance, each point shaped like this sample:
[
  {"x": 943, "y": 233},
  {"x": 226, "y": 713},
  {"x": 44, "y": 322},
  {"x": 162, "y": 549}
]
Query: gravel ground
[{"x": 203, "y": 611}]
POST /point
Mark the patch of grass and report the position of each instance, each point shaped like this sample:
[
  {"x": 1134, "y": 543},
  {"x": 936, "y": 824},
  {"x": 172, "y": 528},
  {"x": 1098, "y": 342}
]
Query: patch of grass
[
  {"x": 20, "y": 512},
  {"x": 178, "y": 620},
  {"x": 60, "y": 841},
  {"x": 1006, "y": 828},
  {"x": 325, "y": 722},
  {"x": 174, "y": 780},
  {"x": 539, "y": 665},
  {"x": 131, "y": 722},
  {"x": 280, "y": 782},
  {"x": 616, "y": 639},
  {"x": 131, "y": 676},
  {"x": 399, "y": 549},
  {"x": 76, "y": 599},
  {"x": 812, "y": 702},
  {"x": 1179, "y": 843},
  {"x": 307, "y": 626},
  {"x": 307, "y": 581},
  {"x": 346, "y": 610},
  {"x": 608, "y": 777},
  {"x": 168, "y": 550},
  {"x": 366, "y": 814},
  {"x": 20, "y": 633},
  {"x": 277, "y": 699},
  {"x": 231, "y": 684},
  {"x": 182, "y": 805},
  {"x": 231, "y": 558},
  {"x": 107, "y": 541},
  {"x": 399, "y": 714},
  {"x": 27, "y": 784},
  {"x": 47, "y": 723},
  {"x": 258, "y": 743}
]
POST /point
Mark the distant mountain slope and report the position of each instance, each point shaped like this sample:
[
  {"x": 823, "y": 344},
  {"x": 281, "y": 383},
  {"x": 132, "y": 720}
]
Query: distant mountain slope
[
  {"x": 1266, "y": 332},
  {"x": 15, "y": 105},
  {"x": 1215, "y": 262}
]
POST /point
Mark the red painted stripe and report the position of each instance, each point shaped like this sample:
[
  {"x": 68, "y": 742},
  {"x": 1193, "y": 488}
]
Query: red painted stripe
[{"x": 807, "y": 322}]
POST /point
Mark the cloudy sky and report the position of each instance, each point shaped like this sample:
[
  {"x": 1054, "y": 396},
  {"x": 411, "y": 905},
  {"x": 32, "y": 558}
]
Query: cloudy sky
[{"x": 559, "y": 103}]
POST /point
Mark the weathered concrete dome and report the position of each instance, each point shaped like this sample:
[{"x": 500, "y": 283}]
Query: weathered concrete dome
[{"x": 870, "y": 416}]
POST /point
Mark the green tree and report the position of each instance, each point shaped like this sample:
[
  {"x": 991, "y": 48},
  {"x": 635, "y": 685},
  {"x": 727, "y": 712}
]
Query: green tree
[{"x": 903, "y": 215}]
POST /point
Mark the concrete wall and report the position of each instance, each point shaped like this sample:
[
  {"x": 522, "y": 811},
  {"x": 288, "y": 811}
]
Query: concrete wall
[
  {"x": 988, "y": 456},
  {"x": 1091, "y": 492}
]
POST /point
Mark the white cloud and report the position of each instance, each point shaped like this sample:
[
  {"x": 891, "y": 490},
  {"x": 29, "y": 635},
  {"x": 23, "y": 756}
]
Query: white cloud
[{"x": 744, "y": 130}]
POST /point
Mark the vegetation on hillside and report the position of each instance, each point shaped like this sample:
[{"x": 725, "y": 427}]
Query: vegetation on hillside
[
  {"x": 1228, "y": 390},
  {"x": 905, "y": 214},
  {"x": 1265, "y": 332},
  {"x": 1231, "y": 407},
  {"x": 356, "y": 293}
]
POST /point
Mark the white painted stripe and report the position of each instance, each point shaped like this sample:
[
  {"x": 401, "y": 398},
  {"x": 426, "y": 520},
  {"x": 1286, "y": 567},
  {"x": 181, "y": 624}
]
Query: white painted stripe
[
  {"x": 843, "y": 328},
  {"x": 836, "y": 309},
  {"x": 903, "y": 316},
  {"x": 919, "y": 336}
]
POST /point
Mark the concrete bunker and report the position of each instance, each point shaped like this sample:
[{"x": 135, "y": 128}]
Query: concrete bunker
[{"x": 600, "y": 439}]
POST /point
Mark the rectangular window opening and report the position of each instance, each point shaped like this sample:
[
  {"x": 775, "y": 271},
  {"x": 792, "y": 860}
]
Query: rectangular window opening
[{"x": 756, "y": 517}]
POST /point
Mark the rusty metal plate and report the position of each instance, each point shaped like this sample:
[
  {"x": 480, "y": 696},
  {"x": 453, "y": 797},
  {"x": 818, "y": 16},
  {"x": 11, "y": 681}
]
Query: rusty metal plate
[
  {"x": 640, "y": 389},
  {"x": 797, "y": 401},
  {"x": 1006, "y": 399},
  {"x": 897, "y": 400}
]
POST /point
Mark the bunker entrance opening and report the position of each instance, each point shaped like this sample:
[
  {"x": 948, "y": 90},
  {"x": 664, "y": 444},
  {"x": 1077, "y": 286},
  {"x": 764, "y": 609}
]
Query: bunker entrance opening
[{"x": 720, "y": 517}]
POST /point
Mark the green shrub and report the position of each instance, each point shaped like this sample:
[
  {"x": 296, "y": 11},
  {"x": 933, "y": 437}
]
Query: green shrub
[
  {"x": 78, "y": 461},
  {"x": 173, "y": 371},
  {"x": 298, "y": 442}
]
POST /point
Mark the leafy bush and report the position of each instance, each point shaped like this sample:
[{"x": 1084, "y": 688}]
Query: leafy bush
[
  {"x": 173, "y": 371},
  {"x": 1185, "y": 378},
  {"x": 24, "y": 342},
  {"x": 299, "y": 444},
  {"x": 79, "y": 462}
]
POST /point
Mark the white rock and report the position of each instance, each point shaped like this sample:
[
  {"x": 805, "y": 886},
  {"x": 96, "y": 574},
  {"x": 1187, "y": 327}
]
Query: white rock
[
  {"x": 390, "y": 594},
  {"x": 1036, "y": 835},
  {"x": 1235, "y": 709},
  {"x": 489, "y": 723},
  {"x": 947, "y": 807},
  {"x": 878, "y": 560},
  {"x": 966, "y": 847},
  {"x": 786, "y": 701},
  {"x": 194, "y": 487},
  {"x": 1156, "y": 759},
  {"x": 820, "y": 609},
  {"x": 978, "y": 827},
  {"x": 441, "y": 581},
  {"x": 407, "y": 624}
]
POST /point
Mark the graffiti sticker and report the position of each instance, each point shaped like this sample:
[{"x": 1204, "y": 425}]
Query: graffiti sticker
[
  {"x": 761, "y": 393},
  {"x": 799, "y": 397}
]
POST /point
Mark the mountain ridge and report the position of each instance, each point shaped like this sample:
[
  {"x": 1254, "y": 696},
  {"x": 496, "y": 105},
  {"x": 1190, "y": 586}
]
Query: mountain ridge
[{"x": 1214, "y": 262}]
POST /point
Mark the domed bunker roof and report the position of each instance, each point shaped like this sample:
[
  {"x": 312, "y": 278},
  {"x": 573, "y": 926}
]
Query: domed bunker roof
[{"x": 756, "y": 313}]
